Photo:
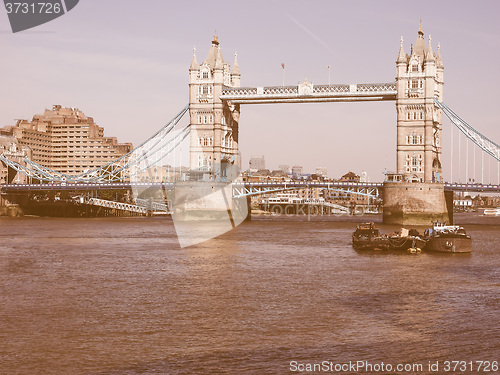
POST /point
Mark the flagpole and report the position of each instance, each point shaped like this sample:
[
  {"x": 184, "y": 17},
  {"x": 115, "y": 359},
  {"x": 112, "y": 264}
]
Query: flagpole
[
  {"x": 328, "y": 75},
  {"x": 283, "y": 66}
]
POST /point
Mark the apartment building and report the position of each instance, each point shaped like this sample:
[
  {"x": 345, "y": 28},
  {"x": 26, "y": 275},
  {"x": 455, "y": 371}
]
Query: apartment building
[{"x": 66, "y": 140}]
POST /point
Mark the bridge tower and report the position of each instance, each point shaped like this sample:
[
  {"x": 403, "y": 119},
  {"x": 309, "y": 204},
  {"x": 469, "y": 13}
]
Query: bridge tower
[
  {"x": 214, "y": 124},
  {"x": 419, "y": 80},
  {"x": 420, "y": 198}
]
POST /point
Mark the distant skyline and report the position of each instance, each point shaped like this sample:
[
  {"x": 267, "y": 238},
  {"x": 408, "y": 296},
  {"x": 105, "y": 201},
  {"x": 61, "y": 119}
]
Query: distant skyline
[{"x": 125, "y": 63}]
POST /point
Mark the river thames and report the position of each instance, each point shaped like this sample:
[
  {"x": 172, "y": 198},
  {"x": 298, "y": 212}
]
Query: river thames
[{"x": 119, "y": 296}]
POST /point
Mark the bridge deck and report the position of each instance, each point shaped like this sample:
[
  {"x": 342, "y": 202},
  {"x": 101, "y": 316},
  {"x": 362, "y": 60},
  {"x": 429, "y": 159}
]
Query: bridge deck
[{"x": 237, "y": 185}]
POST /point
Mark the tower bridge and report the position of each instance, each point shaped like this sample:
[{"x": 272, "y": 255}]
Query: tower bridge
[
  {"x": 215, "y": 99},
  {"x": 214, "y": 106}
]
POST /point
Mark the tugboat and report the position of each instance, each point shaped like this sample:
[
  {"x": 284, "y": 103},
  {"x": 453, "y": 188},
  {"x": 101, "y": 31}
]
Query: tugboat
[
  {"x": 367, "y": 237},
  {"x": 447, "y": 239}
]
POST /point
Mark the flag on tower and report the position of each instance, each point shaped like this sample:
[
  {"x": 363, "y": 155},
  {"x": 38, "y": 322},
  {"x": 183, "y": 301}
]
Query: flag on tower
[{"x": 283, "y": 65}]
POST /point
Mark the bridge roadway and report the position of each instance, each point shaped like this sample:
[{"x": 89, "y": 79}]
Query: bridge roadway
[{"x": 240, "y": 188}]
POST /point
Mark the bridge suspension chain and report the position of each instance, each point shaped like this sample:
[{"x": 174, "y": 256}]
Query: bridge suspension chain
[{"x": 483, "y": 142}]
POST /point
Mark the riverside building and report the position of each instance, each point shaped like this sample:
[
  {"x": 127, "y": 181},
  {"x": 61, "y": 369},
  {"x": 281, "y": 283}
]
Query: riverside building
[{"x": 66, "y": 140}]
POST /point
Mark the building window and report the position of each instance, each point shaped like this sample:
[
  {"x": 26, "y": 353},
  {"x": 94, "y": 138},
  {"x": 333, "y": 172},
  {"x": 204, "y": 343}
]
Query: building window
[
  {"x": 414, "y": 139},
  {"x": 205, "y": 75},
  {"x": 205, "y": 141},
  {"x": 204, "y": 162},
  {"x": 227, "y": 140},
  {"x": 414, "y": 163}
]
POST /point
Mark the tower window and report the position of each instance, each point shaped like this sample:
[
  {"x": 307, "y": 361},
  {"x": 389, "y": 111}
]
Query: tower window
[
  {"x": 414, "y": 163},
  {"x": 205, "y": 141},
  {"x": 205, "y": 75}
]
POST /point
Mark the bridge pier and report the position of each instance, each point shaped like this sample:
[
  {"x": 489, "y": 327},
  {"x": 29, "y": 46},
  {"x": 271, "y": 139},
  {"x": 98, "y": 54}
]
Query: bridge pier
[{"x": 408, "y": 203}]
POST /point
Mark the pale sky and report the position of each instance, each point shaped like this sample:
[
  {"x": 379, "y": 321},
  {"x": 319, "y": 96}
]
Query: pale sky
[{"x": 125, "y": 63}]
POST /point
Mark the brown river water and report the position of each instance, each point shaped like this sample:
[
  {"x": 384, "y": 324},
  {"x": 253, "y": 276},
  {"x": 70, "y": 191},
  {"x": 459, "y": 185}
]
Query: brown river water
[{"x": 119, "y": 296}]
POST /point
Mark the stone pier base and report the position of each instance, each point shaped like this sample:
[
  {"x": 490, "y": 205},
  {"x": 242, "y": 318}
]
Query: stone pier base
[
  {"x": 414, "y": 203},
  {"x": 11, "y": 210}
]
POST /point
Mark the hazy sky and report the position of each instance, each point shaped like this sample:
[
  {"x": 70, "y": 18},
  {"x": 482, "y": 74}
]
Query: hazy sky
[{"x": 125, "y": 63}]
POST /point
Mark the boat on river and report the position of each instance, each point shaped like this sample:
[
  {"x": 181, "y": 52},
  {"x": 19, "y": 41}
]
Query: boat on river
[
  {"x": 368, "y": 237},
  {"x": 492, "y": 211},
  {"x": 447, "y": 239}
]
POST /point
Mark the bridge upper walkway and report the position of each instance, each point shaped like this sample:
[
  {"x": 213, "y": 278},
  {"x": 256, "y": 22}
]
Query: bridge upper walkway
[{"x": 309, "y": 93}]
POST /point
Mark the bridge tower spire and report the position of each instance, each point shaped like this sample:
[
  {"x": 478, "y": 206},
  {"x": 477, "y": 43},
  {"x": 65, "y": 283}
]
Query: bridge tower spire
[
  {"x": 214, "y": 124},
  {"x": 419, "y": 80}
]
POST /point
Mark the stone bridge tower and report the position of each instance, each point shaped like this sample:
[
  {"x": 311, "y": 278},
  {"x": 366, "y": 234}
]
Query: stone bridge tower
[
  {"x": 214, "y": 125},
  {"x": 420, "y": 199},
  {"x": 419, "y": 80}
]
